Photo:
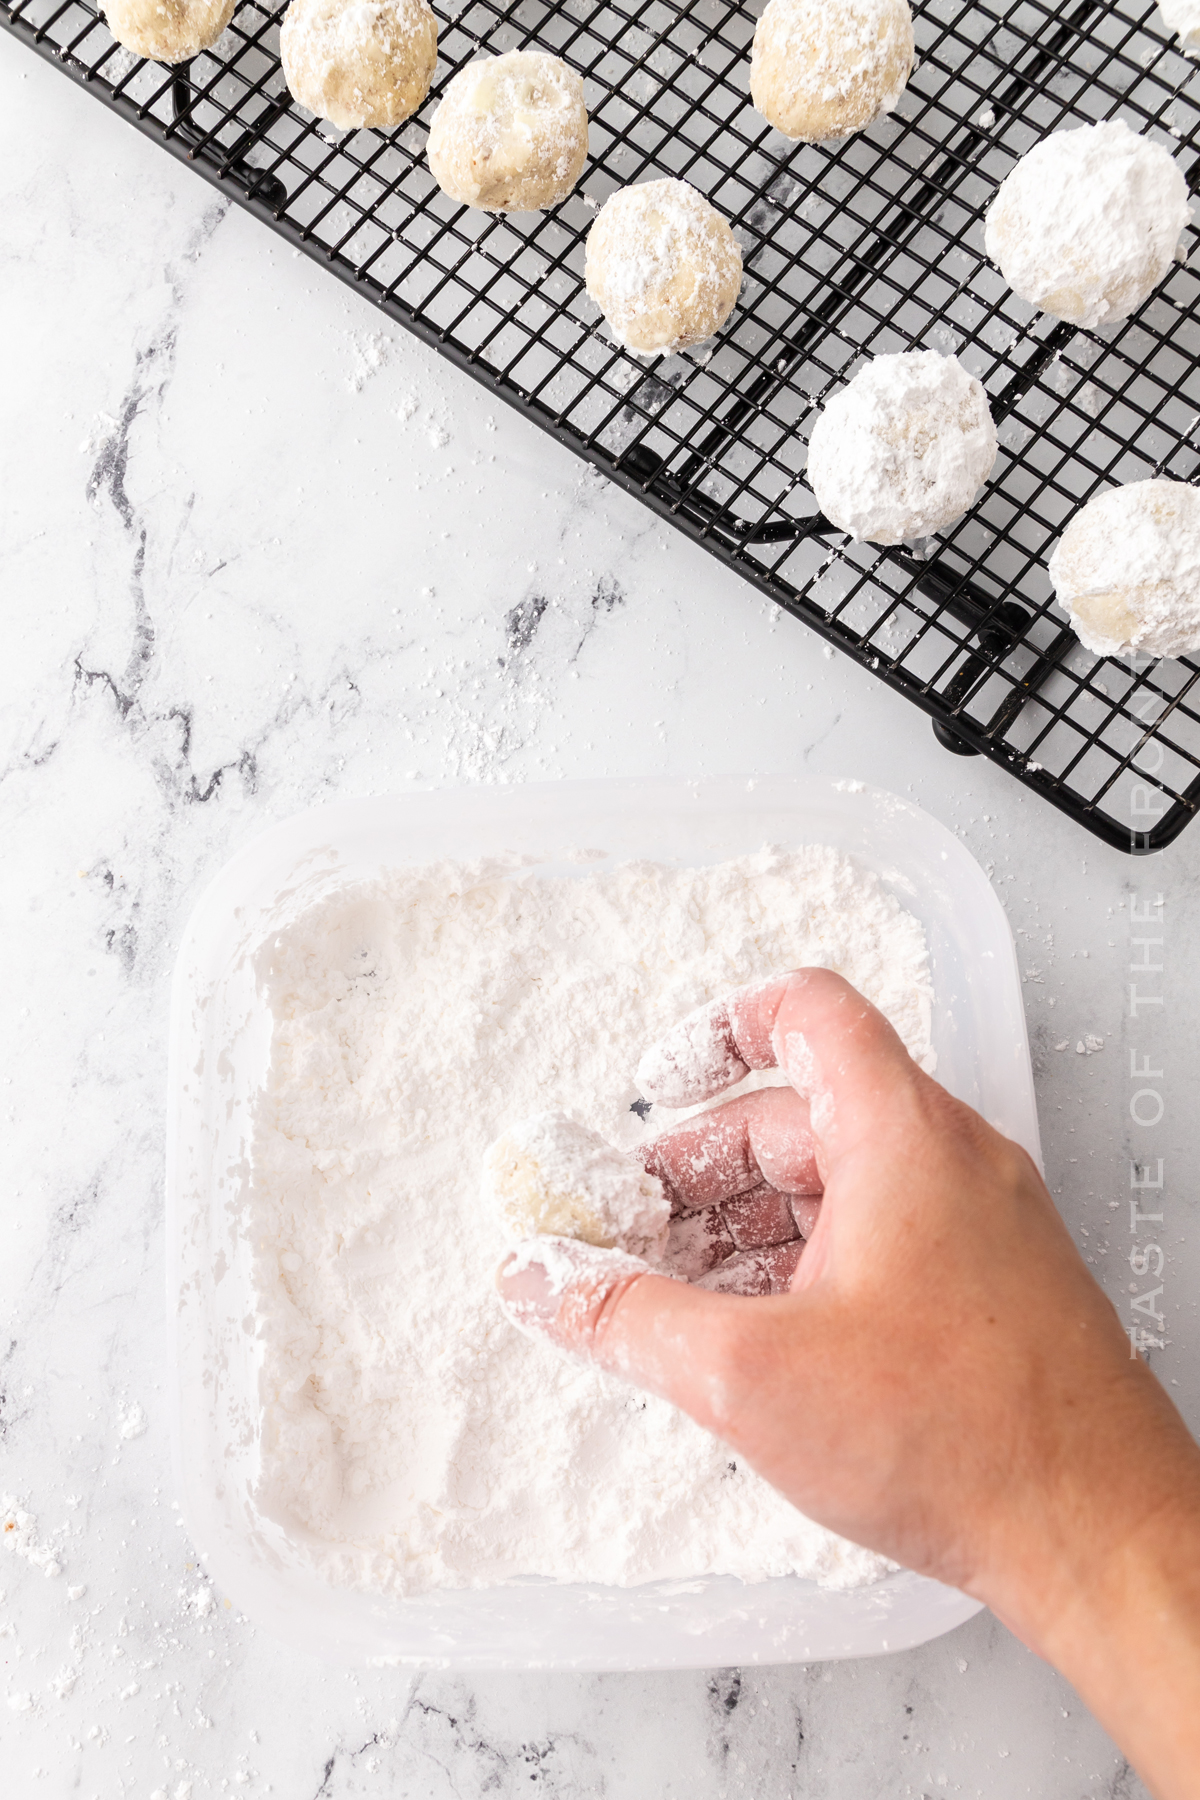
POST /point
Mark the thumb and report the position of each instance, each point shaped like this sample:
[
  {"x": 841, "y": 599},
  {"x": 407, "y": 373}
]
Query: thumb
[
  {"x": 837, "y": 1050},
  {"x": 686, "y": 1344},
  {"x": 841, "y": 1054}
]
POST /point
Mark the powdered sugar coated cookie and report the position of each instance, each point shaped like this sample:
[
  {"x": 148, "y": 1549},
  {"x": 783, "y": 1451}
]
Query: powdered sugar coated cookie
[
  {"x": 1127, "y": 570},
  {"x": 1183, "y": 18},
  {"x": 168, "y": 31},
  {"x": 359, "y": 62},
  {"x": 904, "y": 449},
  {"x": 823, "y": 68},
  {"x": 663, "y": 266},
  {"x": 1087, "y": 224},
  {"x": 511, "y": 134},
  {"x": 551, "y": 1176}
]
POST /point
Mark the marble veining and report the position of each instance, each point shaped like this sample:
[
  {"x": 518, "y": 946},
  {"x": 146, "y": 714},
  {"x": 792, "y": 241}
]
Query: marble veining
[{"x": 259, "y": 550}]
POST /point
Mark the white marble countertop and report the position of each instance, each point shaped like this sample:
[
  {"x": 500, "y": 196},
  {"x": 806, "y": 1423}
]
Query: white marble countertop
[{"x": 260, "y": 549}]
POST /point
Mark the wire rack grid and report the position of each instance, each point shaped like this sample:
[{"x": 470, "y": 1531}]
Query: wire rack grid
[{"x": 868, "y": 246}]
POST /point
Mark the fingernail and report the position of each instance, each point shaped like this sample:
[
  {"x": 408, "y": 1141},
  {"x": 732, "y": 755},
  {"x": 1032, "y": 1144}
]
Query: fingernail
[
  {"x": 547, "y": 1281},
  {"x": 797, "y": 1060},
  {"x": 796, "y": 1057},
  {"x": 527, "y": 1292}
]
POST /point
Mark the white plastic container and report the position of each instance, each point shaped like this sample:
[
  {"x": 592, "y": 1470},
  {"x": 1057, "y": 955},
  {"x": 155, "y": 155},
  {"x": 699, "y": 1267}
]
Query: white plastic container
[{"x": 220, "y": 1036}]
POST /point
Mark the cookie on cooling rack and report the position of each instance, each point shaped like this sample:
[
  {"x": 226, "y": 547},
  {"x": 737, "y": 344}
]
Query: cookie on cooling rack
[
  {"x": 359, "y": 62},
  {"x": 903, "y": 450},
  {"x": 1086, "y": 226},
  {"x": 511, "y": 134},
  {"x": 663, "y": 267},
  {"x": 822, "y": 69},
  {"x": 1127, "y": 570},
  {"x": 168, "y": 31},
  {"x": 1183, "y": 18}
]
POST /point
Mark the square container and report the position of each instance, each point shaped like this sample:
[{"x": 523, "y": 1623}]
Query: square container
[{"x": 220, "y": 1044}]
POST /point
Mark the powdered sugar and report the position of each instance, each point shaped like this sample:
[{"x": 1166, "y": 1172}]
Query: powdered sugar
[
  {"x": 19, "y": 1534},
  {"x": 904, "y": 449},
  {"x": 132, "y": 1422},
  {"x": 1127, "y": 570},
  {"x": 411, "y": 1437},
  {"x": 1086, "y": 225}
]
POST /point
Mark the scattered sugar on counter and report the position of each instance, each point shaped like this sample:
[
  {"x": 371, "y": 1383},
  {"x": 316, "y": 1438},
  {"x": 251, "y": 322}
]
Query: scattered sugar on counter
[
  {"x": 19, "y": 1534},
  {"x": 131, "y": 1422},
  {"x": 411, "y": 1437}
]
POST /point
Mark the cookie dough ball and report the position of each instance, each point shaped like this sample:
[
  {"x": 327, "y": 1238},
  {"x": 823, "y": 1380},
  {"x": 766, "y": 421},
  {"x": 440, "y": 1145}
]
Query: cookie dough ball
[
  {"x": 359, "y": 62},
  {"x": 824, "y": 68},
  {"x": 1127, "y": 570},
  {"x": 663, "y": 267},
  {"x": 511, "y": 134},
  {"x": 903, "y": 450},
  {"x": 1086, "y": 225},
  {"x": 552, "y": 1177},
  {"x": 168, "y": 31},
  {"x": 1183, "y": 18}
]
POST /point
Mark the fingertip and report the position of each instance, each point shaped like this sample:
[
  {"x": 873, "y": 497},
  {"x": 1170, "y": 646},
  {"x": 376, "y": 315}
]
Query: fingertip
[
  {"x": 702, "y": 1351},
  {"x": 557, "y": 1287},
  {"x": 821, "y": 1016},
  {"x": 692, "y": 1061},
  {"x": 524, "y": 1286}
]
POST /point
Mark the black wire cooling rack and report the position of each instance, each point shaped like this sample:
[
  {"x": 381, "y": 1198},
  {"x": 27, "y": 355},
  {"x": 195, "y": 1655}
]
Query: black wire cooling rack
[{"x": 872, "y": 245}]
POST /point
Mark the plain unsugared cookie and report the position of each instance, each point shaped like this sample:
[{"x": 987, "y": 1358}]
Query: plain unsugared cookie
[
  {"x": 1127, "y": 570},
  {"x": 359, "y": 62},
  {"x": 1086, "y": 225},
  {"x": 823, "y": 68},
  {"x": 663, "y": 266},
  {"x": 903, "y": 450},
  {"x": 511, "y": 134},
  {"x": 168, "y": 31}
]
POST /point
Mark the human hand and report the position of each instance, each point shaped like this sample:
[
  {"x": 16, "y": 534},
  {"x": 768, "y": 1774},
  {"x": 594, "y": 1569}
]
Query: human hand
[
  {"x": 744, "y": 1190},
  {"x": 942, "y": 1379}
]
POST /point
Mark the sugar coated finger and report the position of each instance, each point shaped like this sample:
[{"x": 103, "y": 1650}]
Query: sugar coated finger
[{"x": 763, "y": 1138}]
